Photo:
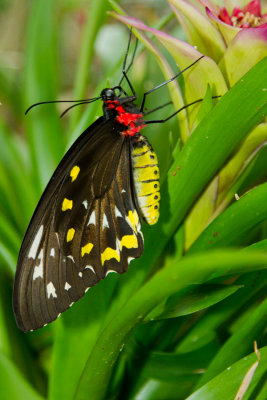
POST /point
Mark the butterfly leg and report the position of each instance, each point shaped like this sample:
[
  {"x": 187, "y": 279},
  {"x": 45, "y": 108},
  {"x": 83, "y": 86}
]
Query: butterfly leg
[
  {"x": 160, "y": 121},
  {"x": 165, "y": 83},
  {"x": 157, "y": 108}
]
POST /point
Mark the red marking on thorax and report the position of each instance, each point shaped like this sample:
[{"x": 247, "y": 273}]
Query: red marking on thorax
[
  {"x": 112, "y": 103},
  {"x": 133, "y": 121}
]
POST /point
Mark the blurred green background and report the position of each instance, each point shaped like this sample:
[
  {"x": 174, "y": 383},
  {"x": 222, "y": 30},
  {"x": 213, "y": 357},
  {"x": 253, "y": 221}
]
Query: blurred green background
[{"x": 172, "y": 324}]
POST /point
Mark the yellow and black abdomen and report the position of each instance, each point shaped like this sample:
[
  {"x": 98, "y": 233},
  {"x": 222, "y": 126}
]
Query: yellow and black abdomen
[{"x": 146, "y": 179}]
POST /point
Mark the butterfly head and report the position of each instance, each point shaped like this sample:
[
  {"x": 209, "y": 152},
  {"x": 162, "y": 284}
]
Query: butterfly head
[
  {"x": 123, "y": 110},
  {"x": 108, "y": 94}
]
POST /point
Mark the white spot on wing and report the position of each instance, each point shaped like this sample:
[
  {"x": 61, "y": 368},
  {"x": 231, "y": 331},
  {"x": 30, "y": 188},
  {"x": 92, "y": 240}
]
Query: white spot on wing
[
  {"x": 117, "y": 212},
  {"x": 51, "y": 290},
  {"x": 72, "y": 259},
  {"x": 105, "y": 222},
  {"x": 67, "y": 286},
  {"x": 52, "y": 252},
  {"x": 123, "y": 191},
  {"x": 90, "y": 267},
  {"x": 92, "y": 219},
  {"x": 57, "y": 238},
  {"x": 118, "y": 246},
  {"x": 129, "y": 259},
  {"x": 85, "y": 203},
  {"x": 39, "y": 270},
  {"x": 80, "y": 274},
  {"x": 86, "y": 290},
  {"x": 36, "y": 242},
  {"x": 110, "y": 271}
]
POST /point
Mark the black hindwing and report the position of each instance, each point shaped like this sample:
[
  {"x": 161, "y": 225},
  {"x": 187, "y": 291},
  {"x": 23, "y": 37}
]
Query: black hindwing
[{"x": 85, "y": 226}]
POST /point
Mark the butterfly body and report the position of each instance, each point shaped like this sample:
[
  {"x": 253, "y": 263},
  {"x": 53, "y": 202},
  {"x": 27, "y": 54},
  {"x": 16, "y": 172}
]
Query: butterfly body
[{"x": 88, "y": 221}]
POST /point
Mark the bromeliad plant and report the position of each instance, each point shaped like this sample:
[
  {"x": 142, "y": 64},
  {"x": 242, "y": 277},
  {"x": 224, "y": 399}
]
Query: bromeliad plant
[
  {"x": 226, "y": 62},
  {"x": 192, "y": 305},
  {"x": 236, "y": 41}
]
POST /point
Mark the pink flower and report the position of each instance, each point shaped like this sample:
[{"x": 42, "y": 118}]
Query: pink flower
[
  {"x": 221, "y": 33},
  {"x": 249, "y": 17}
]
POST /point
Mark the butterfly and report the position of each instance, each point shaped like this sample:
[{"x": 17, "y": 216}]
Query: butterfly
[{"x": 87, "y": 223}]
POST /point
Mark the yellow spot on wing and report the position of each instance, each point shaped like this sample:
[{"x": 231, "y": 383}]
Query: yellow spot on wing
[
  {"x": 136, "y": 218},
  {"x": 129, "y": 241},
  {"x": 70, "y": 234},
  {"x": 87, "y": 249},
  {"x": 133, "y": 218},
  {"x": 109, "y": 253},
  {"x": 67, "y": 204},
  {"x": 74, "y": 173}
]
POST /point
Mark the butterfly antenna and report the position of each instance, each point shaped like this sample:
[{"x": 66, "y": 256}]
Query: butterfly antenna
[
  {"x": 60, "y": 101},
  {"x": 124, "y": 69},
  {"x": 78, "y": 104}
]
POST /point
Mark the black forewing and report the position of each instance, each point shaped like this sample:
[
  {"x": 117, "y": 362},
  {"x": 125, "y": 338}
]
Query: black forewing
[{"x": 84, "y": 227}]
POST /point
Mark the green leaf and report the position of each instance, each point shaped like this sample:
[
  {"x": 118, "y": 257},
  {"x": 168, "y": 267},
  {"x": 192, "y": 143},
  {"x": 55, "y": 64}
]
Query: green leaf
[
  {"x": 175, "y": 374},
  {"x": 13, "y": 343},
  {"x": 196, "y": 299},
  {"x": 220, "y": 192},
  {"x": 205, "y": 107},
  {"x": 232, "y": 226},
  {"x": 226, "y": 385},
  {"x": 169, "y": 280},
  {"x": 170, "y": 366},
  {"x": 156, "y": 389},
  {"x": 239, "y": 343},
  {"x": 225, "y": 311},
  {"x": 13, "y": 384},
  {"x": 248, "y": 48},
  {"x": 75, "y": 335},
  {"x": 10, "y": 86},
  {"x": 41, "y": 77},
  {"x": 9, "y": 234},
  {"x": 257, "y": 172},
  {"x": 14, "y": 167},
  {"x": 95, "y": 15},
  {"x": 253, "y": 143}
]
